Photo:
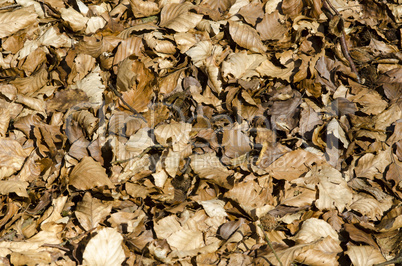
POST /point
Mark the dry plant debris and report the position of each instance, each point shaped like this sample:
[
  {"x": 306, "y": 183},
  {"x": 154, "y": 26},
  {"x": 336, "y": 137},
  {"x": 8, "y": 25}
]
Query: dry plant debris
[{"x": 206, "y": 132}]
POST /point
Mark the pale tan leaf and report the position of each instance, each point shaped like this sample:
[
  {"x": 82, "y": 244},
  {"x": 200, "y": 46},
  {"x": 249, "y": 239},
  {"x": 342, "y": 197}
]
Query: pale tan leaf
[
  {"x": 178, "y": 17},
  {"x": 12, "y": 156},
  {"x": 389, "y": 116},
  {"x": 176, "y": 133},
  {"x": 4, "y": 121},
  {"x": 13, "y": 186},
  {"x": 139, "y": 142},
  {"x": 251, "y": 12},
  {"x": 249, "y": 195},
  {"x": 92, "y": 85},
  {"x": 91, "y": 211},
  {"x": 208, "y": 166},
  {"x": 166, "y": 227},
  {"x": 246, "y": 37},
  {"x": 127, "y": 47},
  {"x": 364, "y": 255},
  {"x": 11, "y": 22},
  {"x": 267, "y": 68},
  {"x": 74, "y": 20},
  {"x": 172, "y": 163},
  {"x": 313, "y": 229},
  {"x": 321, "y": 252},
  {"x": 104, "y": 249},
  {"x": 370, "y": 207},
  {"x": 214, "y": 207},
  {"x": 293, "y": 164},
  {"x": 333, "y": 189},
  {"x": 272, "y": 27},
  {"x": 142, "y": 8},
  {"x": 53, "y": 37},
  {"x": 89, "y": 174},
  {"x": 369, "y": 165},
  {"x": 54, "y": 212},
  {"x": 241, "y": 65},
  {"x": 94, "y": 24},
  {"x": 30, "y": 258},
  {"x": 199, "y": 52},
  {"x": 29, "y": 85},
  {"x": 184, "y": 41},
  {"x": 36, "y": 104},
  {"x": 186, "y": 239}
]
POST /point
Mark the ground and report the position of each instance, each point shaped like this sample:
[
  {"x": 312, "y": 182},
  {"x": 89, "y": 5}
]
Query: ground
[{"x": 230, "y": 132}]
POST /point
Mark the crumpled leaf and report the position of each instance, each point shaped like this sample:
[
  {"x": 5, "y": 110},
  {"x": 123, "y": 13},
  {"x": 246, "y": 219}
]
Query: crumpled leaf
[
  {"x": 241, "y": 65},
  {"x": 14, "y": 186},
  {"x": 12, "y": 156},
  {"x": 142, "y": 8},
  {"x": 178, "y": 17},
  {"x": 272, "y": 26},
  {"x": 89, "y": 174},
  {"x": 214, "y": 207},
  {"x": 90, "y": 211},
  {"x": 314, "y": 229},
  {"x": 11, "y": 22},
  {"x": 74, "y": 20},
  {"x": 364, "y": 255},
  {"x": 267, "y": 68},
  {"x": 105, "y": 248}
]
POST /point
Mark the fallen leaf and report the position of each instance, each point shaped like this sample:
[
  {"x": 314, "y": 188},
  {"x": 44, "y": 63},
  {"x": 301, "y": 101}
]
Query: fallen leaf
[{"x": 105, "y": 248}]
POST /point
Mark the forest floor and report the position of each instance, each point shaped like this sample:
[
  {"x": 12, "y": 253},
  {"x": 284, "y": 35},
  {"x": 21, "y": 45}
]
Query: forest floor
[{"x": 230, "y": 132}]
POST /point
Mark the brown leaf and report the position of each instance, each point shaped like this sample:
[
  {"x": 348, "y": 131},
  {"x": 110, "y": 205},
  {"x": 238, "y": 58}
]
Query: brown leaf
[
  {"x": 142, "y": 8},
  {"x": 11, "y": 22},
  {"x": 364, "y": 255},
  {"x": 178, "y": 17},
  {"x": 246, "y": 37},
  {"x": 91, "y": 211},
  {"x": 89, "y": 174},
  {"x": 271, "y": 27}
]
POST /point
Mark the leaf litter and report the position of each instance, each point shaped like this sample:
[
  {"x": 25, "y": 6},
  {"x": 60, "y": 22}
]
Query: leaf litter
[{"x": 228, "y": 132}]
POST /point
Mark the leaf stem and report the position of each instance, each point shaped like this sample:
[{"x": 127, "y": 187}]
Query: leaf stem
[{"x": 270, "y": 245}]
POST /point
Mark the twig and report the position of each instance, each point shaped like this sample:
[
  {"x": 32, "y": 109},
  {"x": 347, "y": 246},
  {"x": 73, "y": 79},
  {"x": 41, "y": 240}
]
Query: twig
[
  {"x": 118, "y": 94},
  {"x": 393, "y": 261},
  {"x": 10, "y": 7},
  {"x": 327, "y": 4},
  {"x": 270, "y": 245}
]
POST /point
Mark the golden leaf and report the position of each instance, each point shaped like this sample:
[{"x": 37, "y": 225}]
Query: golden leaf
[
  {"x": 89, "y": 174},
  {"x": 246, "y": 37},
  {"x": 11, "y": 22},
  {"x": 271, "y": 27},
  {"x": 178, "y": 17},
  {"x": 142, "y": 8},
  {"x": 91, "y": 211}
]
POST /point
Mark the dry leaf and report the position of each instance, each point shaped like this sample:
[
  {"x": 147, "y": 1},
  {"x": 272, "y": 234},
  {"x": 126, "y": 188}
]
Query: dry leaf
[
  {"x": 178, "y": 17},
  {"x": 272, "y": 26},
  {"x": 364, "y": 255},
  {"x": 12, "y": 156},
  {"x": 246, "y": 37},
  {"x": 90, "y": 211},
  {"x": 13, "y": 186},
  {"x": 11, "y": 22},
  {"x": 105, "y": 248},
  {"x": 89, "y": 174}
]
